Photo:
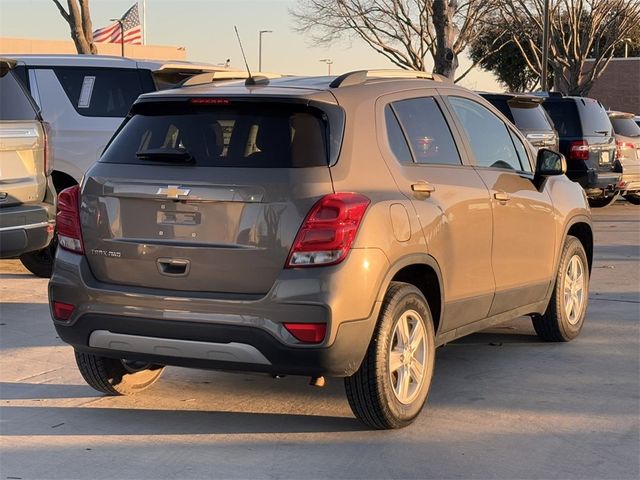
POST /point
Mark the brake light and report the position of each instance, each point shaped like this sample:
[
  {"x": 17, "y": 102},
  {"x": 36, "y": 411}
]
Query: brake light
[
  {"x": 68, "y": 220},
  {"x": 579, "y": 150},
  {"x": 62, "y": 311},
  {"x": 621, "y": 146},
  {"x": 328, "y": 231},
  {"x": 209, "y": 101},
  {"x": 307, "y": 332}
]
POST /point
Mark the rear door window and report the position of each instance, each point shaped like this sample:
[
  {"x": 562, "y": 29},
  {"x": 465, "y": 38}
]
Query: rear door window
[
  {"x": 396, "y": 138},
  {"x": 254, "y": 135},
  {"x": 489, "y": 137},
  {"x": 530, "y": 118},
  {"x": 427, "y": 131},
  {"x": 565, "y": 117},
  {"x": 15, "y": 103},
  {"x": 101, "y": 92}
]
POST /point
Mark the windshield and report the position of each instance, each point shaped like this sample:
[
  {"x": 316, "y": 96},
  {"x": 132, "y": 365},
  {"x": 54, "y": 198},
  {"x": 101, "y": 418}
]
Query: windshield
[{"x": 253, "y": 135}]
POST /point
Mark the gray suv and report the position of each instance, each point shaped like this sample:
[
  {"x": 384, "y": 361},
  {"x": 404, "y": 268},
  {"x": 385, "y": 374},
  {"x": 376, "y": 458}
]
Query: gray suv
[{"x": 340, "y": 227}]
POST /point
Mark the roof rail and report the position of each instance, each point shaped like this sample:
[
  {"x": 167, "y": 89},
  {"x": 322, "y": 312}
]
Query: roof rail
[{"x": 358, "y": 77}]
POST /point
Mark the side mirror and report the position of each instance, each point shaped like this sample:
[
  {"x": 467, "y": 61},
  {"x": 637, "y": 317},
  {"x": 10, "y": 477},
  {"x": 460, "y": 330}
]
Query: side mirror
[{"x": 548, "y": 164}]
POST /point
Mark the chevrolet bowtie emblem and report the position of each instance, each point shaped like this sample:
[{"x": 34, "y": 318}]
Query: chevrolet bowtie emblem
[{"x": 174, "y": 191}]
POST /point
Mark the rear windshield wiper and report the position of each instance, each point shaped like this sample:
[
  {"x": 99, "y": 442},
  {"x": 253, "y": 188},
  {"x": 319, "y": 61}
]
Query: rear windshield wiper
[
  {"x": 166, "y": 155},
  {"x": 602, "y": 132}
]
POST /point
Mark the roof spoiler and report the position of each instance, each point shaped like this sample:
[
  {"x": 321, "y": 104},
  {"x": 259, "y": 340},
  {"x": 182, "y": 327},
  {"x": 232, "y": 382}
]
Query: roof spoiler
[{"x": 358, "y": 77}]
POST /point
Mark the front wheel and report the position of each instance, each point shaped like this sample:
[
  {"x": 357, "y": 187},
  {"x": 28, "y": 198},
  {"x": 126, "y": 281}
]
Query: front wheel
[
  {"x": 567, "y": 309},
  {"x": 633, "y": 198},
  {"x": 392, "y": 384},
  {"x": 114, "y": 376}
]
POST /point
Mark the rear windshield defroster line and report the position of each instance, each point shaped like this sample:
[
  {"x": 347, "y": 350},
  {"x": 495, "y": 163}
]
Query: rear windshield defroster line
[{"x": 241, "y": 134}]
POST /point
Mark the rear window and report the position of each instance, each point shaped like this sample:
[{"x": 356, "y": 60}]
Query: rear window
[
  {"x": 101, "y": 92},
  {"x": 14, "y": 100},
  {"x": 565, "y": 117},
  {"x": 595, "y": 120},
  {"x": 626, "y": 127},
  {"x": 530, "y": 118},
  {"x": 243, "y": 135}
]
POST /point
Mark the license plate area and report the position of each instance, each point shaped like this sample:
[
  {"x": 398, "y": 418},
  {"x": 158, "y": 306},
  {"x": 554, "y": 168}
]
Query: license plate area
[
  {"x": 605, "y": 159},
  {"x": 164, "y": 217}
]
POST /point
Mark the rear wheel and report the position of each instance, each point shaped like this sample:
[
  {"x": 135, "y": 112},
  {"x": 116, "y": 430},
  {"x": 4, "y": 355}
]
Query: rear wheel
[
  {"x": 567, "y": 309},
  {"x": 633, "y": 198},
  {"x": 601, "y": 202},
  {"x": 116, "y": 377},
  {"x": 392, "y": 384},
  {"x": 40, "y": 262}
]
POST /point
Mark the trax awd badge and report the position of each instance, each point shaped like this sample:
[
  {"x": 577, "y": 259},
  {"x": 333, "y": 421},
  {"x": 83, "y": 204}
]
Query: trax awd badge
[{"x": 174, "y": 191}]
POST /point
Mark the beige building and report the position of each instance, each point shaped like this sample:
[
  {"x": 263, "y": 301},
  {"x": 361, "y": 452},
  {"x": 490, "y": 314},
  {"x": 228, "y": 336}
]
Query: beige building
[
  {"x": 618, "y": 88},
  {"x": 148, "y": 52}
]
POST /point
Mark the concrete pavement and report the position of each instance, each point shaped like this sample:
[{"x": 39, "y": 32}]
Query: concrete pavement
[{"x": 502, "y": 404}]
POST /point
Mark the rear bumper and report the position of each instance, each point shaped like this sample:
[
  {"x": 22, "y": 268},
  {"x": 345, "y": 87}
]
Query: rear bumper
[
  {"x": 596, "y": 181},
  {"x": 208, "y": 331},
  {"x": 25, "y": 228},
  {"x": 630, "y": 182}
]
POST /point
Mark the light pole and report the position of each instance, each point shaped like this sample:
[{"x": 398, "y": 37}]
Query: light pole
[
  {"x": 626, "y": 47},
  {"x": 544, "y": 81},
  {"x": 328, "y": 61},
  {"x": 119, "y": 20},
  {"x": 260, "y": 47}
]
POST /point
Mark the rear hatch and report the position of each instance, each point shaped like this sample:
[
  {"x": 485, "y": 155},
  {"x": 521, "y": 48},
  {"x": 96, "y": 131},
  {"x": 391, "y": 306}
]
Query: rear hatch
[
  {"x": 22, "y": 144},
  {"x": 206, "y": 194}
]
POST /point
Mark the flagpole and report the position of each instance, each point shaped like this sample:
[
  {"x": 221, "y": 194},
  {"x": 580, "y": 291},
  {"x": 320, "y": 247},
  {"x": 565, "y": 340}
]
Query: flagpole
[{"x": 144, "y": 22}]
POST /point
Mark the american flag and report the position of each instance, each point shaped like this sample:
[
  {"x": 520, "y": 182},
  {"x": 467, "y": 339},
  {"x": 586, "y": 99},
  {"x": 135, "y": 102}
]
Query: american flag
[{"x": 130, "y": 25}]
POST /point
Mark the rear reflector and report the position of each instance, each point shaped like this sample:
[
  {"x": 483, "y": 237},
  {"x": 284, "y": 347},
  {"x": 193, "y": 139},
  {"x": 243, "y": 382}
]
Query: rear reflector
[
  {"x": 62, "y": 311},
  {"x": 307, "y": 332},
  {"x": 68, "y": 220},
  {"x": 328, "y": 231},
  {"x": 579, "y": 150}
]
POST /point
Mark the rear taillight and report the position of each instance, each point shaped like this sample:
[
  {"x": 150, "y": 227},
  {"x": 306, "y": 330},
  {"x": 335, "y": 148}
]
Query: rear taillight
[
  {"x": 622, "y": 146},
  {"x": 307, "y": 332},
  {"x": 579, "y": 150},
  {"x": 328, "y": 231},
  {"x": 62, "y": 311},
  {"x": 68, "y": 220}
]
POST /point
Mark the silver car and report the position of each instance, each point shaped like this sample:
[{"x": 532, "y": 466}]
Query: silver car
[{"x": 627, "y": 133}]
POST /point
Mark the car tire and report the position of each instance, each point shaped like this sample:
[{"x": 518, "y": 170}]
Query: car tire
[
  {"x": 563, "y": 320},
  {"x": 114, "y": 376},
  {"x": 633, "y": 198},
  {"x": 40, "y": 262},
  {"x": 384, "y": 393},
  {"x": 601, "y": 202}
]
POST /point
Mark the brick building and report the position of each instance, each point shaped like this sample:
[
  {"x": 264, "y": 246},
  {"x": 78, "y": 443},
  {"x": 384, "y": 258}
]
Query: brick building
[{"x": 618, "y": 88}]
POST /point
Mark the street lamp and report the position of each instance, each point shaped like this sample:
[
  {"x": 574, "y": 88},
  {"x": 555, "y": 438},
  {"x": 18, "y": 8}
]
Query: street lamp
[
  {"x": 626, "y": 47},
  {"x": 544, "y": 81},
  {"x": 260, "y": 47},
  {"x": 328, "y": 61},
  {"x": 119, "y": 20}
]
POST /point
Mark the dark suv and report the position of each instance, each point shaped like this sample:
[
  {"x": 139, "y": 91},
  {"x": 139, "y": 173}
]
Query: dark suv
[
  {"x": 526, "y": 112},
  {"x": 312, "y": 226},
  {"x": 587, "y": 141}
]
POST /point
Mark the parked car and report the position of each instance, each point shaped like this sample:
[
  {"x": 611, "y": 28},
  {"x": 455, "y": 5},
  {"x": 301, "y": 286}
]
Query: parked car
[
  {"x": 586, "y": 139},
  {"x": 526, "y": 113},
  {"x": 26, "y": 198},
  {"x": 637, "y": 120},
  {"x": 627, "y": 134},
  {"x": 315, "y": 226},
  {"x": 84, "y": 99}
]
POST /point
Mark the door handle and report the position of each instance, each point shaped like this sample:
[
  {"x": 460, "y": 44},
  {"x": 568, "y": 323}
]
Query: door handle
[
  {"x": 502, "y": 196},
  {"x": 423, "y": 188},
  {"x": 173, "y": 267}
]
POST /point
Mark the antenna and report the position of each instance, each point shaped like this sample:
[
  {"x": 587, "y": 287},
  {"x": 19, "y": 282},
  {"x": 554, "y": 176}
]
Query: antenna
[{"x": 243, "y": 55}]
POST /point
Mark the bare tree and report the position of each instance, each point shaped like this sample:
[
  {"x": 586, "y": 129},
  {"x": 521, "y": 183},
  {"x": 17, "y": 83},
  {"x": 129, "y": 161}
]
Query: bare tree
[
  {"x": 583, "y": 36},
  {"x": 404, "y": 31},
  {"x": 79, "y": 19}
]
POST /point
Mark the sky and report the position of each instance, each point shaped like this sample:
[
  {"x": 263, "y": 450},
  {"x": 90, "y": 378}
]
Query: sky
[{"x": 205, "y": 29}]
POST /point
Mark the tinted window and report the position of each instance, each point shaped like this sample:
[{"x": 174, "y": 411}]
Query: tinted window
[
  {"x": 245, "y": 135},
  {"x": 530, "y": 118},
  {"x": 98, "y": 92},
  {"x": 489, "y": 137},
  {"x": 14, "y": 100},
  {"x": 395, "y": 136},
  {"x": 565, "y": 117},
  {"x": 626, "y": 127},
  {"x": 427, "y": 131},
  {"x": 595, "y": 120}
]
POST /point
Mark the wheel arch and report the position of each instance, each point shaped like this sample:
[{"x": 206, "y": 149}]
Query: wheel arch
[
  {"x": 422, "y": 271},
  {"x": 581, "y": 228},
  {"x": 62, "y": 180}
]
